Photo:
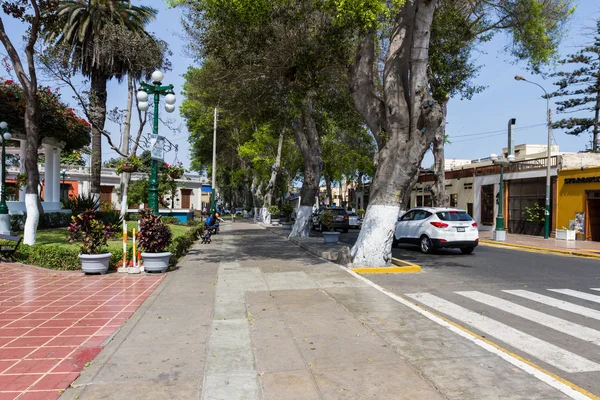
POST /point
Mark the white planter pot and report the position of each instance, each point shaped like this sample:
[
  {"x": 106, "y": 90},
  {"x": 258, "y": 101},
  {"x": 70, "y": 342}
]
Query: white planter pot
[
  {"x": 95, "y": 263},
  {"x": 331, "y": 237},
  {"x": 274, "y": 221},
  {"x": 156, "y": 262},
  {"x": 565, "y": 234}
]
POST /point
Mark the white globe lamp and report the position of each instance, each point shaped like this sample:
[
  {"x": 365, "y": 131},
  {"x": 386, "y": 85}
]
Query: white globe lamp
[
  {"x": 169, "y": 108},
  {"x": 142, "y": 95},
  {"x": 143, "y": 106},
  {"x": 170, "y": 99},
  {"x": 7, "y": 135},
  {"x": 3, "y": 125},
  {"x": 157, "y": 77}
]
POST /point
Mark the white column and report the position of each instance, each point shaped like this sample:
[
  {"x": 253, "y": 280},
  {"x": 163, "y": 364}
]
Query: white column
[
  {"x": 48, "y": 174},
  {"x": 22, "y": 149},
  {"x": 56, "y": 176}
]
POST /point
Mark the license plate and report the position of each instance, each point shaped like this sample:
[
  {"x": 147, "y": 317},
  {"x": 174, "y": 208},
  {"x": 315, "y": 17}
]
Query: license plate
[{"x": 460, "y": 229}]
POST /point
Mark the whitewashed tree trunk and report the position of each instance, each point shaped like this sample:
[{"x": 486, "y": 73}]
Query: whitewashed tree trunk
[
  {"x": 403, "y": 121},
  {"x": 307, "y": 139},
  {"x": 274, "y": 171},
  {"x": 126, "y": 177},
  {"x": 33, "y": 218}
]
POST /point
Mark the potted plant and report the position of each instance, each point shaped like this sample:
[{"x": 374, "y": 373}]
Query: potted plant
[
  {"x": 565, "y": 234},
  {"x": 154, "y": 237},
  {"x": 93, "y": 234},
  {"x": 274, "y": 212},
  {"x": 129, "y": 165},
  {"x": 327, "y": 221},
  {"x": 175, "y": 171},
  {"x": 287, "y": 210}
]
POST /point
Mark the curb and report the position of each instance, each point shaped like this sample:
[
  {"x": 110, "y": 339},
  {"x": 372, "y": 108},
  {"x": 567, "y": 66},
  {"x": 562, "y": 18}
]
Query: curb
[
  {"x": 542, "y": 249},
  {"x": 401, "y": 267}
]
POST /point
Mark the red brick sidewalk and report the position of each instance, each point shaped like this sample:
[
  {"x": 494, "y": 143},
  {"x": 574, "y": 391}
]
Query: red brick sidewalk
[
  {"x": 53, "y": 323},
  {"x": 577, "y": 246}
]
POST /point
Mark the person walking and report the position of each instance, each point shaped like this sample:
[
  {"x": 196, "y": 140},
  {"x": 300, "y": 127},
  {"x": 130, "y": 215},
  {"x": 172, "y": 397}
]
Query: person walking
[{"x": 232, "y": 213}]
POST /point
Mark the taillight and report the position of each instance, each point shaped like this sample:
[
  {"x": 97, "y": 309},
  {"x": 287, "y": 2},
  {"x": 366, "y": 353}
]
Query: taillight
[
  {"x": 345, "y": 217},
  {"x": 439, "y": 224},
  {"x": 474, "y": 224}
]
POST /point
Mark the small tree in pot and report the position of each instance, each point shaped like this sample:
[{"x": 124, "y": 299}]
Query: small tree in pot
[
  {"x": 154, "y": 237},
  {"x": 273, "y": 214},
  {"x": 93, "y": 234},
  {"x": 327, "y": 224}
]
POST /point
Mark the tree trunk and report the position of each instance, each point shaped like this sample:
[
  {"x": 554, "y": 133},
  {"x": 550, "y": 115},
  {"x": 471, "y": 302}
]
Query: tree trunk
[
  {"x": 328, "y": 190},
  {"x": 307, "y": 138},
  {"x": 97, "y": 119},
  {"x": 32, "y": 128},
  {"x": 274, "y": 171},
  {"x": 125, "y": 177},
  {"x": 439, "y": 196},
  {"x": 407, "y": 195},
  {"x": 403, "y": 121}
]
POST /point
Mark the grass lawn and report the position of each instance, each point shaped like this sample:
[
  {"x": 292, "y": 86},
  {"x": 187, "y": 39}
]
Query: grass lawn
[{"x": 58, "y": 236}]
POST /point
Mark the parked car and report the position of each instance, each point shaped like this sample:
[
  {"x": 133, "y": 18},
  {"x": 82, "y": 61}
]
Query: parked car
[
  {"x": 432, "y": 228},
  {"x": 354, "y": 220},
  {"x": 341, "y": 220}
]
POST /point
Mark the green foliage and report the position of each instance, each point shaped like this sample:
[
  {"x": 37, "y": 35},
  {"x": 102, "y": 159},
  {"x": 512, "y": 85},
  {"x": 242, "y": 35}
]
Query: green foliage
[
  {"x": 57, "y": 120},
  {"x": 81, "y": 203},
  {"x": 327, "y": 220},
  {"x": 92, "y": 233},
  {"x": 51, "y": 257},
  {"x": 130, "y": 164},
  {"x": 138, "y": 193},
  {"x": 287, "y": 210},
  {"x": 274, "y": 211},
  {"x": 170, "y": 220},
  {"x": 132, "y": 217},
  {"x": 579, "y": 88},
  {"x": 46, "y": 221},
  {"x": 154, "y": 235},
  {"x": 534, "y": 213},
  {"x": 112, "y": 218}
]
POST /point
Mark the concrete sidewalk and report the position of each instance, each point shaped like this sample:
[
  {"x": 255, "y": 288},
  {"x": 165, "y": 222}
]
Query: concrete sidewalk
[
  {"x": 572, "y": 247},
  {"x": 252, "y": 316}
]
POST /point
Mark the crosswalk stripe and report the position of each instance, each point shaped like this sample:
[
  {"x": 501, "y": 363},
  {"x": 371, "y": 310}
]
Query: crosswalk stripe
[
  {"x": 597, "y": 289},
  {"x": 580, "y": 295},
  {"x": 547, "y": 352},
  {"x": 558, "y": 324},
  {"x": 560, "y": 304}
]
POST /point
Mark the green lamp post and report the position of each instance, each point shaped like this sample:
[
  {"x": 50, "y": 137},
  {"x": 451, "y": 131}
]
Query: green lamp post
[
  {"x": 4, "y": 217},
  {"x": 143, "y": 105}
]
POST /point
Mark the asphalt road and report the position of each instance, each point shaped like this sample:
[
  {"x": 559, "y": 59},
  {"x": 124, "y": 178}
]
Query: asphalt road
[{"x": 542, "y": 307}]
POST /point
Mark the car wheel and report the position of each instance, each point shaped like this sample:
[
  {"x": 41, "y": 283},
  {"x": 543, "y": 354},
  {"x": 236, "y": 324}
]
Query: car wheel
[
  {"x": 467, "y": 250},
  {"x": 426, "y": 246},
  {"x": 345, "y": 230}
]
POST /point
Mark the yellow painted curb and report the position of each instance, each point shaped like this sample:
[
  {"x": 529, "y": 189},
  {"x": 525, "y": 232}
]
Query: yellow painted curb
[
  {"x": 573, "y": 386},
  {"x": 401, "y": 266},
  {"x": 544, "y": 249}
]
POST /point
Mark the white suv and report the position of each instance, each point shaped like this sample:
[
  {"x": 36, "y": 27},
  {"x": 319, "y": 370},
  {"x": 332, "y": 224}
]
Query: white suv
[{"x": 431, "y": 228}]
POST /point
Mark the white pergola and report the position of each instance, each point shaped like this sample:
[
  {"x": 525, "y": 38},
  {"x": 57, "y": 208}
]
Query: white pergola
[{"x": 50, "y": 172}]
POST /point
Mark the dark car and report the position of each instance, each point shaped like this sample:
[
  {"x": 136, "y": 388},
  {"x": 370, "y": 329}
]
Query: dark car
[{"x": 341, "y": 220}]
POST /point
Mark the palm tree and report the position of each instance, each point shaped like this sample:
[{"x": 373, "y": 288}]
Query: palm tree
[{"x": 79, "y": 28}]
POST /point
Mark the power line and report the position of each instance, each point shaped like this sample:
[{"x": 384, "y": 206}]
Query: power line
[{"x": 520, "y": 128}]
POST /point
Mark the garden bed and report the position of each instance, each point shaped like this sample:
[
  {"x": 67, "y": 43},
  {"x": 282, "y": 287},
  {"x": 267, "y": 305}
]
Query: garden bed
[{"x": 53, "y": 251}]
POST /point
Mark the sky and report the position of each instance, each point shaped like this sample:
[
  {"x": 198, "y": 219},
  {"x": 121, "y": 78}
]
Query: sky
[{"x": 476, "y": 127}]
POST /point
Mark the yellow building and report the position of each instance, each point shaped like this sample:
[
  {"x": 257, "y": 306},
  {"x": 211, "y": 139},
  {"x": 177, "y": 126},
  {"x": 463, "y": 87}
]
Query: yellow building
[{"x": 579, "y": 201}]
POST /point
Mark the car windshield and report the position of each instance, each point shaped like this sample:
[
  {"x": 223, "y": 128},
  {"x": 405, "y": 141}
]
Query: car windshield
[{"x": 454, "y": 216}]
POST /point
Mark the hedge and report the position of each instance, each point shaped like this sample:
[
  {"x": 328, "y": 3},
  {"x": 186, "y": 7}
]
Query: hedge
[
  {"x": 47, "y": 220},
  {"x": 67, "y": 259}
]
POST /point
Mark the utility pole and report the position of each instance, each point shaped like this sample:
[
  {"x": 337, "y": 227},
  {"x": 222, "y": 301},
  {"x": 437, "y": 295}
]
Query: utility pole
[{"x": 214, "y": 166}]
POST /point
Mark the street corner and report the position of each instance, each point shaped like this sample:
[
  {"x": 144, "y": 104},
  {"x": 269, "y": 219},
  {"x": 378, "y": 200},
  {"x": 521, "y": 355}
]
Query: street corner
[
  {"x": 594, "y": 254},
  {"x": 398, "y": 267}
]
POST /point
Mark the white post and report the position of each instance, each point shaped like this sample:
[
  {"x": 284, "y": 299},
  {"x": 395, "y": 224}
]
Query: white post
[
  {"x": 48, "y": 174},
  {"x": 56, "y": 176},
  {"x": 22, "y": 151}
]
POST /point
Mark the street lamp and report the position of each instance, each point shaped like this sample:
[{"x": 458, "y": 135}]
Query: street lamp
[
  {"x": 143, "y": 105},
  {"x": 500, "y": 232},
  {"x": 63, "y": 174},
  {"x": 4, "y": 217},
  {"x": 549, "y": 156}
]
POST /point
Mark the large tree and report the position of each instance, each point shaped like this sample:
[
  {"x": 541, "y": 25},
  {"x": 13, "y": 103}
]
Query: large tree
[
  {"x": 580, "y": 86},
  {"x": 81, "y": 27},
  {"x": 400, "y": 108},
  {"x": 33, "y": 13}
]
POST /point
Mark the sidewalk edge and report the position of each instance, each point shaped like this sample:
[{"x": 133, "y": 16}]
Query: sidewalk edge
[{"x": 544, "y": 249}]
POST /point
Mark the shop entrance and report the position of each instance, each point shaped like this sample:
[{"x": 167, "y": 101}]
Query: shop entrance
[{"x": 593, "y": 212}]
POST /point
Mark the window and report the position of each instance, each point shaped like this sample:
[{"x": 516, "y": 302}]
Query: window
[
  {"x": 421, "y": 215},
  {"x": 453, "y": 216},
  {"x": 419, "y": 201},
  {"x": 454, "y": 200},
  {"x": 470, "y": 209},
  {"x": 427, "y": 201},
  {"x": 409, "y": 216}
]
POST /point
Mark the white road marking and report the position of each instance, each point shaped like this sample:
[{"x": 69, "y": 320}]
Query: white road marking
[
  {"x": 580, "y": 295},
  {"x": 558, "y": 324},
  {"x": 533, "y": 371},
  {"x": 547, "y": 352},
  {"x": 560, "y": 304},
  {"x": 597, "y": 289}
]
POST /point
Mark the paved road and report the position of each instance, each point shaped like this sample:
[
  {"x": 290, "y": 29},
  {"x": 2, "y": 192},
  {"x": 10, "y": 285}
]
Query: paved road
[{"x": 542, "y": 307}]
